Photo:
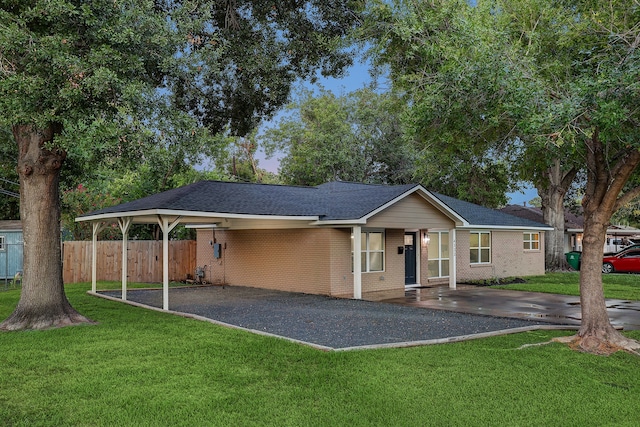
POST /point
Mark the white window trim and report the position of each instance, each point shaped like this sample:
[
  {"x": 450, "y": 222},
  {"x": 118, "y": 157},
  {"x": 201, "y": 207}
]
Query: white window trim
[
  {"x": 439, "y": 258},
  {"x": 480, "y": 247},
  {"x": 530, "y": 241},
  {"x": 3, "y": 243},
  {"x": 367, "y": 251}
]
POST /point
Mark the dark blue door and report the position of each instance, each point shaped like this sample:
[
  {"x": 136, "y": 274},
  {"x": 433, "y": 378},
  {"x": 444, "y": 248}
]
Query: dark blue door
[{"x": 409, "y": 258}]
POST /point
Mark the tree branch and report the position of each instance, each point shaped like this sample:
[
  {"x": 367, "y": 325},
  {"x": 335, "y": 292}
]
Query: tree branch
[{"x": 627, "y": 198}]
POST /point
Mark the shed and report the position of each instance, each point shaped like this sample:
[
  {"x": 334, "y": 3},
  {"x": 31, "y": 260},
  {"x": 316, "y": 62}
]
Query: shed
[{"x": 11, "y": 245}]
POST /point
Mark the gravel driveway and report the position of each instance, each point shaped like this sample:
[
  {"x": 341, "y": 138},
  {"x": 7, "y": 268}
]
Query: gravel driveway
[{"x": 325, "y": 322}]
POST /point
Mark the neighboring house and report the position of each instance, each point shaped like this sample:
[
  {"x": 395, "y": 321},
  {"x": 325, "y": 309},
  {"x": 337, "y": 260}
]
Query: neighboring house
[
  {"x": 11, "y": 247},
  {"x": 302, "y": 239},
  {"x": 618, "y": 236}
]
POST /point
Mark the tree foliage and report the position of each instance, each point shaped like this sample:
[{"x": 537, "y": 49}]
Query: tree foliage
[
  {"x": 86, "y": 81},
  {"x": 354, "y": 137},
  {"x": 451, "y": 71},
  {"x": 555, "y": 83}
]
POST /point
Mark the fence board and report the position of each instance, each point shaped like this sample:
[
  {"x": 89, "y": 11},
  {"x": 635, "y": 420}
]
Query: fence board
[{"x": 144, "y": 260}]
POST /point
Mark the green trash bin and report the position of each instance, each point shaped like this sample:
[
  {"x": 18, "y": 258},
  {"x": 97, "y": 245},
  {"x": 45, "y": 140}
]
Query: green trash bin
[{"x": 573, "y": 258}]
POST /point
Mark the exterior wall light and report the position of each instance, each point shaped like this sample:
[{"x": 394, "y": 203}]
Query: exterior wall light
[{"x": 425, "y": 238}]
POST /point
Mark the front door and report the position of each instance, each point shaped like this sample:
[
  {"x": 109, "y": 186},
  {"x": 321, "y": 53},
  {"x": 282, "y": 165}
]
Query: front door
[{"x": 409, "y": 258}]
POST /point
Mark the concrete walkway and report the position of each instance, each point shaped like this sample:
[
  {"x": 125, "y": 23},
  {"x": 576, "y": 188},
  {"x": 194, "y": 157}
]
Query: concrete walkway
[{"x": 516, "y": 304}]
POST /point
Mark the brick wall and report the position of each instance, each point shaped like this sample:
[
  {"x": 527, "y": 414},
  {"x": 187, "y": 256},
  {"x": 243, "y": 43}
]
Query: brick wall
[
  {"x": 508, "y": 258},
  {"x": 294, "y": 260},
  {"x": 318, "y": 261},
  {"x": 315, "y": 261}
]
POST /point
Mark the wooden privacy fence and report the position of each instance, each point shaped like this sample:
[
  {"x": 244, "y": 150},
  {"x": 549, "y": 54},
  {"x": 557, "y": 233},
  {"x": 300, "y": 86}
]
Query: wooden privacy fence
[{"x": 144, "y": 261}]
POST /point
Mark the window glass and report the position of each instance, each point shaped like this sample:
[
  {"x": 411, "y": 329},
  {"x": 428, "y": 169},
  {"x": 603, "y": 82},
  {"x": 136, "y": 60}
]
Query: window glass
[
  {"x": 531, "y": 241},
  {"x": 479, "y": 247},
  {"x": 408, "y": 239},
  {"x": 434, "y": 268},
  {"x": 445, "y": 267},
  {"x": 375, "y": 241},
  {"x": 485, "y": 255},
  {"x": 438, "y": 264},
  {"x": 444, "y": 248},
  {"x": 375, "y": 261},
  {"x": 372, "y": 251},
  {"x": 434, "y": 242}
]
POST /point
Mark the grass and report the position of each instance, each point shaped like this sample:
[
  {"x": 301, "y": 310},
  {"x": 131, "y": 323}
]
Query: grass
[
  {"x": 146, "y": 368},
  {"x": 616, "y": 286}
]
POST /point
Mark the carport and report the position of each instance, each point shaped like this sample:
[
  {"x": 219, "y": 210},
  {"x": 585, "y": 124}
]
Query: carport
[{"x": 167, "y": 220}]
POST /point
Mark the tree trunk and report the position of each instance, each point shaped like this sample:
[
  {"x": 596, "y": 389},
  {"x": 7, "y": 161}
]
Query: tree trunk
[
  {"x": 553, "y": 215},
  {"x": 552, "y": 191},
  {"x": 43, "y": 303},
  {"x": 604, "y": 184}
]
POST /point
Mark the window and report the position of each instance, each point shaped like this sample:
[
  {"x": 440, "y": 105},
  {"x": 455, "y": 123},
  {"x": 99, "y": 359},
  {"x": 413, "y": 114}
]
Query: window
[
  {"x": 3, "y": 243},
  {"x": 531, "y": 241},
  {"x": 480, "y": 247},
  {"x": 372, "y": 255},
  {"x": 438, "y": 251}
]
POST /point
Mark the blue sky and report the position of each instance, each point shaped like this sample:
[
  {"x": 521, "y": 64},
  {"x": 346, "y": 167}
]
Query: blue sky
[{"x": 356, "y": 78}]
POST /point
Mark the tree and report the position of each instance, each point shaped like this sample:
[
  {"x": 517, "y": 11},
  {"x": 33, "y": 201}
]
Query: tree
[
  {"x": 76, "y": 79},
  {"x": 240, "y": 162},
  {"x": 441, "y": 58},
  {"x": 9, "y": 197},
  {"x": 354, "y": 137},
  {"x": 555, "y": 79}
]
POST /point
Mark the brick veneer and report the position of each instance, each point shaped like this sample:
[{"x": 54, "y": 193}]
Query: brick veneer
[
  {"x": 315, "y": 261},
  {"x": 508, "y": 258},
  {"x": 318, "y": 260}
]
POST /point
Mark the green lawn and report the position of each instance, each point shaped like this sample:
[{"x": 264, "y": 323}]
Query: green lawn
[
  {"x": 145, "y": 368},
  {"x": 617, "y": 286}
]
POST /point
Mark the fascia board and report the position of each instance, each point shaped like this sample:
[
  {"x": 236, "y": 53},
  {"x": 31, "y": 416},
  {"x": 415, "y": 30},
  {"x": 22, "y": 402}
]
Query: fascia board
[
  {"x": 339, "y": 222},
  {"x": 502, "y": 227},
  {"x": 191, "y": 214}
]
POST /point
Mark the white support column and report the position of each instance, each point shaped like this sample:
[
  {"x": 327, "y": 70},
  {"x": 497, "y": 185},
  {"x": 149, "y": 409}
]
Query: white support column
[
  {"x": 453, "y": 261},
  {"x": 97, "y": 228},
  {"x": 166, "y": 228},
  {"x": 357, "y": 262},
  {"x": 124, "y": 224}
]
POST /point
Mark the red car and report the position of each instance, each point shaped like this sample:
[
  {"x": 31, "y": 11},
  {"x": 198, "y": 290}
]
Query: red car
[{"x": 626, "y": 261}]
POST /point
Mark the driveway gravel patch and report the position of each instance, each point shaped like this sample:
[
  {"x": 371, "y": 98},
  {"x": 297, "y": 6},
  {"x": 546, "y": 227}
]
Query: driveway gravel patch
[{"x": 324, "y": 321}]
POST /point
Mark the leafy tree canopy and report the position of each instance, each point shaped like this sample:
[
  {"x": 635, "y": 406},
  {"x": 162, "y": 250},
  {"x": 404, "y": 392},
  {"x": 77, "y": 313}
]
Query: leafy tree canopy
[{"x": 354, "y": 137}]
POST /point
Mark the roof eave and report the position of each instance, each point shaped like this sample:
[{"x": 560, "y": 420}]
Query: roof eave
[
  {"x": 192, "y": 214},
  {"x": 504, "y": 227}
]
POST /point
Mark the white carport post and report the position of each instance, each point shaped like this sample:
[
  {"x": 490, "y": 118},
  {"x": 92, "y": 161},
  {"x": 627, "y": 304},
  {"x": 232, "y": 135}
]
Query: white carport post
[
  {"x": 124, "y": 224},
  {"x": 166, "y": 228},
  {"x": 357, "y": 262},
  {"x": 453, "y": 261},
  {"x": 97, "y": 228}
]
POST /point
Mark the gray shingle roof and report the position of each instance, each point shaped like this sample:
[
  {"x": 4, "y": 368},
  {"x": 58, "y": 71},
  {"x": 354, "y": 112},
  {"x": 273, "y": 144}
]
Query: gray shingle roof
[
  {"x": 481, "y": 216},
  {"x": 331, "y": 201}
]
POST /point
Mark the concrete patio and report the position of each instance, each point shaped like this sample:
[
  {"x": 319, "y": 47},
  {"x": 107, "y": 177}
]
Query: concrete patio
[{"x": 551, "y": 308}]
